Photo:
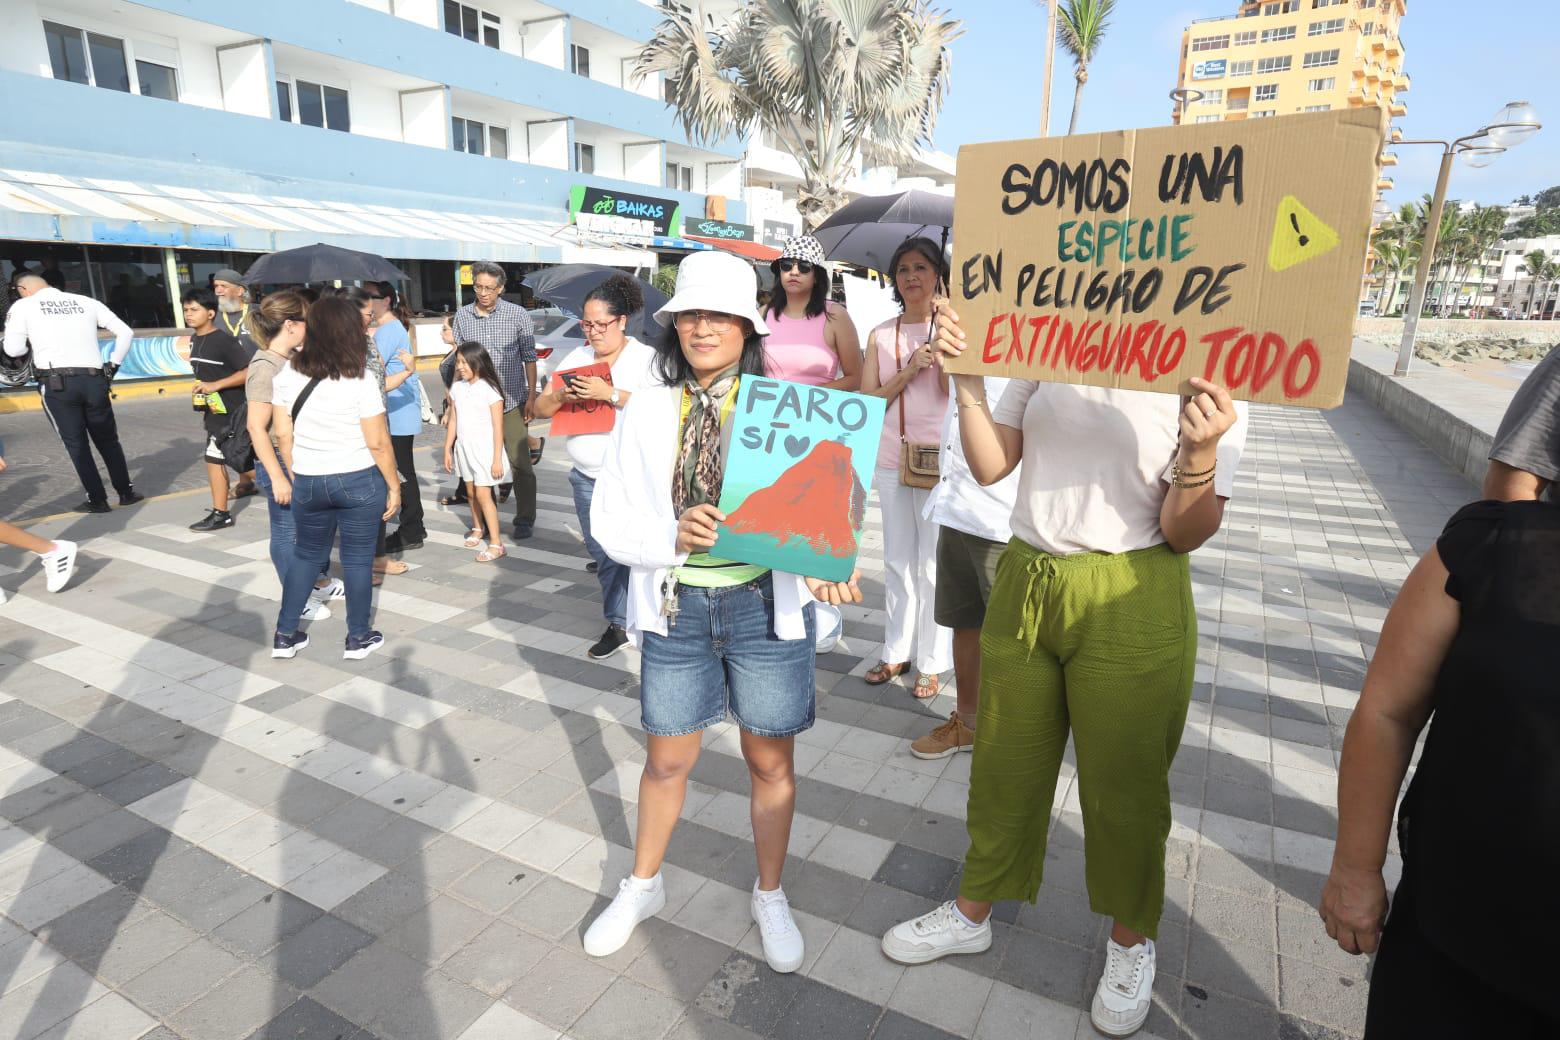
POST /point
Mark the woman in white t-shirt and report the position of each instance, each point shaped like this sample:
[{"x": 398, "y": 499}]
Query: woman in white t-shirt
[
  {"x": 1090, "y": 630},
  {"x": 606, "y": 313},
  {"x": 474, "y": 443},
  {"x": 329, "y": 421}
]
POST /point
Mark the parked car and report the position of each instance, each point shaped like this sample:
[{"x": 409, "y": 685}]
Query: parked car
[{"x": 557, "y": 333}]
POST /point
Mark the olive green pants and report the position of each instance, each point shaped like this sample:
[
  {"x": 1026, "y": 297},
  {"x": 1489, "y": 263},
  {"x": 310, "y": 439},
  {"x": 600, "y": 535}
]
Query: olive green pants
[{"x": 1101, "y": 645}]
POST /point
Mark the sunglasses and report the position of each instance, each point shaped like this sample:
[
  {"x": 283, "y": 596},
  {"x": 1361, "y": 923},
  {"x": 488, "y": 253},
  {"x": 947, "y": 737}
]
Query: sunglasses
[
  {"x": 799, "y": 266},
  {"x": 716, "y": 320}
]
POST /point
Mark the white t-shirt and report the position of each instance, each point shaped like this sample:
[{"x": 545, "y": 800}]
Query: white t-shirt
[
  {"x": 474, "y": 401},
  {"x": 958, "y": 501},
  {"x": 328, "y": 435},
  {"x": 1096, "y": 464},
  {"x": 633, "y": 370}
]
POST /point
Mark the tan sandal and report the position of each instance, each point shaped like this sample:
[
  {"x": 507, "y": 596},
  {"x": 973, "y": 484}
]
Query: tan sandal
[
  {"x": 491, "y": 553},
  {"x": 392, "y": 567},
  {"x": 474, "y": 539},
  {"x": 883, "y": 672},
  {"x": 926, "y": 687}
]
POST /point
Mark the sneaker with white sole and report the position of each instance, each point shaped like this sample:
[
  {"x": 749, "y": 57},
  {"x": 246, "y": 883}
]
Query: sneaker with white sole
[
  {"x": 637, "y": 900},
  {"x": 359, "y": 647},
  {"x": 287, "y": 647},
  {"x": 935, "y": 935},
  {"x": 1126, "y": 990},
  {"x": 333, "y": 590},
  {"x": 314, "y": 610},
  {"x": 782, "y": 939},
  {"x": 58, "y": 565}
]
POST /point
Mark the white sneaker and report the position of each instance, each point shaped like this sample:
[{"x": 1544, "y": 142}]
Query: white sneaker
[
  {"x": 331, "y": 591},
  {"x": 1126, "y": 990},
  {"x": 59, "y": 565},
  {"x": 637, "y": 899},
  {"x": 314, "y": 610},
  {"x": 935, "y": 935},
  {"x": 782, "y": 939}
]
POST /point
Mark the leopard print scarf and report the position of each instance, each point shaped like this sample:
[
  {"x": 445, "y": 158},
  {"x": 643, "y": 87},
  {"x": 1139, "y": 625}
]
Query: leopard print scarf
[{"x": 700, "y": 468}]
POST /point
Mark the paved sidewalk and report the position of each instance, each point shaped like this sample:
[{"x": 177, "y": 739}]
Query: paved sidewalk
[{"x": 197, "y": 841}]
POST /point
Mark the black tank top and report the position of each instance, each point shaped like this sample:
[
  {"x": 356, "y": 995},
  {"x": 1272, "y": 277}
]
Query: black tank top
[{"x": 1480, "y": 825}]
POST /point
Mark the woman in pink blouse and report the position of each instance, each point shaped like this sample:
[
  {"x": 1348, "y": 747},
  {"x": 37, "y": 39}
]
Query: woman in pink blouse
[
  {"x": 810, "y": 339},
  {"x": 900, "y": 367}
]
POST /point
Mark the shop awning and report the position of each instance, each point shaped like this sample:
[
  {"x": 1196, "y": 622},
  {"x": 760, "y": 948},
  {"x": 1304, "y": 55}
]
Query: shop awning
[
  {"x": 751, "y": 250},
  {"x": 98, "y": 211}
]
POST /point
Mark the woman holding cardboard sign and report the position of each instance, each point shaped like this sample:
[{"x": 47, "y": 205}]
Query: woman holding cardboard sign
[
  {"x": 1090, "y": 631},
  {"x": 900, "y": 367},
  {"x": 715, "y": 636},
  {"x": 607, "y": 310}
]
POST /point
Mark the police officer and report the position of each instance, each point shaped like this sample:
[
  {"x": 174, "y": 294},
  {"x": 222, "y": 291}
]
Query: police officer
[{"x": 73, "y": 378}]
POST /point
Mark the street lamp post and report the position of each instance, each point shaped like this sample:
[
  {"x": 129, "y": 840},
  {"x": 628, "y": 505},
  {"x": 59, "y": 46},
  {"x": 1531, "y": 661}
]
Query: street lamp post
[
  {"x": 1510, "y": 127},
  {"x": 1184, "y": 96}
]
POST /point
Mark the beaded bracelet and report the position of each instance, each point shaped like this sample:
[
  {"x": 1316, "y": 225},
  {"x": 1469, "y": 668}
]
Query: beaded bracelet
[
  {"x": 1177, "y": 471},
  {"x": 1176, "y": 481}
]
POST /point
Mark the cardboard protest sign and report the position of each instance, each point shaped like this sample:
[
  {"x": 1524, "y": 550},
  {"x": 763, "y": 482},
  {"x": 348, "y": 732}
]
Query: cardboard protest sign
[
  {"x": 579, "y": 417},
  {"x": 797, "y": 476},
  {"x": 1140, "y": 258}
]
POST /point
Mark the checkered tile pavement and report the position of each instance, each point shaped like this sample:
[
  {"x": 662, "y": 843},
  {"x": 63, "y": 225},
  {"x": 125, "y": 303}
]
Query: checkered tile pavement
[{"x": 199, "y": 842}]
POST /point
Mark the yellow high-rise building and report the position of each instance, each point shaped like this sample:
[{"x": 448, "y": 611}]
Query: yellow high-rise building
[{"x": 1278, "y": 57}]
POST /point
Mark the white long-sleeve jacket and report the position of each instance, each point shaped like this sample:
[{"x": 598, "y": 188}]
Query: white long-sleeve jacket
[{"x": 631, "y": 514}]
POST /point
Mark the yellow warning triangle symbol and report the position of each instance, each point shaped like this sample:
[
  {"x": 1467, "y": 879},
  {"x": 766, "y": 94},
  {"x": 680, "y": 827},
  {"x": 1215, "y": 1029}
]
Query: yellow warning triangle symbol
[{"x": 1298, "y": 235}]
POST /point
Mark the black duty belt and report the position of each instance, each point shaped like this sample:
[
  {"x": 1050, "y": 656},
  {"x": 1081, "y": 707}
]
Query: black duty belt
[{"x": 70, "y": 371}]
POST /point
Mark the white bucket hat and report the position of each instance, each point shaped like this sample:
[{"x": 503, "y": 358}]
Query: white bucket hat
[{"x": 716, "y": 281}]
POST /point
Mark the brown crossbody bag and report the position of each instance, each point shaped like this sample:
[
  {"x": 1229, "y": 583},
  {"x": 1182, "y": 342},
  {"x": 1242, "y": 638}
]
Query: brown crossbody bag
[{"x": 919, "y": 463}]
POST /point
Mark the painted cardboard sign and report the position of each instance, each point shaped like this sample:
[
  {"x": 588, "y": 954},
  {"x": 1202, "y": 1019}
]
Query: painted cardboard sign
[
  {"x": 1140, "y": 258},
  {"x": 579, "y": 417},
  {"x": 797, "y": 476}
]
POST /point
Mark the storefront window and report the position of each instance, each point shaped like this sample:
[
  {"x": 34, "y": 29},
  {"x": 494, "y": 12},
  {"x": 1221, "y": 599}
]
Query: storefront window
[
  {"x": 62, "y": 266},
  {"x": 134, "y": 284}
]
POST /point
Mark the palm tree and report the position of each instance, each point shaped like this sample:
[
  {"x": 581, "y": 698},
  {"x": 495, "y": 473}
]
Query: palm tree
[
  {"x": 1081, "y": 29},
  {"x": 1483, "y": 226},
  {"x": 828, "y": 79},
  {"x": 1538, "y": 268}
]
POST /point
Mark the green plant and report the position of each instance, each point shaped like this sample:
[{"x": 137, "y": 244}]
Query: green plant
[
  {"x": 1080, "y": 28},
  {"x": 665, "y": 278},
  {"x": 828, "y": 80}
]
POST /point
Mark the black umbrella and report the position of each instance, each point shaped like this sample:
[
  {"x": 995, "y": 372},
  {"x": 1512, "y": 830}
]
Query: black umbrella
[
  {"x": 321, "y": 263},
  {"x": 567, "y": 285},
  {"x": 867, "y": 231}
]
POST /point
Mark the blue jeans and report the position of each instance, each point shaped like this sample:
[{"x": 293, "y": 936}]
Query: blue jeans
[
  {"x": 612, "y": 575},
  {"x": 354, "y": 503},
  {"x": 282, "y": 533},
  {"x": 723, "y": 655}
]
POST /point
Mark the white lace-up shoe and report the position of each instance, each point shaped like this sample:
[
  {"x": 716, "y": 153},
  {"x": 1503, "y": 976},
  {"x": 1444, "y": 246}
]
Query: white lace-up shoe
[
  {"x": 315, "y": 610},
  {"x": 637, "y": 899},
  {"x": 1126, "y": 990},
  {"x": 935, "y": 935},
  {"x": 58, "y": 565},
  {"x": 782, "y": 939},
  {"x": 331, "y": 592}
]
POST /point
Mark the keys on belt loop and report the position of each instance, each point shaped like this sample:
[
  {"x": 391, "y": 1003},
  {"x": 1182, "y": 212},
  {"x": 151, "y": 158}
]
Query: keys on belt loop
[{"x": 669, "y": 606}]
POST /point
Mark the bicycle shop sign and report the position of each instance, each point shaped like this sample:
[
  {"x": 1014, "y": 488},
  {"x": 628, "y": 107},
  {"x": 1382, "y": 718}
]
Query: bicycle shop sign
[{"x": 629, "y": 216}]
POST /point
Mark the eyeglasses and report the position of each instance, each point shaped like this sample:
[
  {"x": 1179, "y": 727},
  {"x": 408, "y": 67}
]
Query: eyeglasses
[
  {"x": 597, "y": 326},
  {"x": 718, "y": 321},
  {"x": 799, "y": 266},
  {"x": 486, "y": 289}
]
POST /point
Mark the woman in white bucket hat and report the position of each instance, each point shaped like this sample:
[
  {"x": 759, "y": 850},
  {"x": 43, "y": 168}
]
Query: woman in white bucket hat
[{"x": 716, "y": 637}]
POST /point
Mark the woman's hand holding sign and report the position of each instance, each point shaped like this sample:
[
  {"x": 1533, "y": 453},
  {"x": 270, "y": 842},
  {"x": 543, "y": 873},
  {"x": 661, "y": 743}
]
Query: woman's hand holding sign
[{"x": 696, "y": 528}]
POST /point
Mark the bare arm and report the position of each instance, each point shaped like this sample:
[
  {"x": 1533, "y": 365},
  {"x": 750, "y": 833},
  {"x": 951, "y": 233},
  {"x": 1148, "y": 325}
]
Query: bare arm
[
  {"x": 840, "y": 333},
  {"x": 449, "y": 435},
  {"x": 1190, "y": 516},
  {"x": 992, "y": 449},
  {"x": 1393, "y": 708},
  {"x": 496, "y": 413},
  {"x": 259, "y": 424},
  {"x": 376, "y": 434},
  {"x": 282, "y": 426},
  {"x": 545, "y": 406},
  {"x": 1506, "y": 483}
]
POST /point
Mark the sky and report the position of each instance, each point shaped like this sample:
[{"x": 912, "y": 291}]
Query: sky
[{"x": 1464, "y": 69}]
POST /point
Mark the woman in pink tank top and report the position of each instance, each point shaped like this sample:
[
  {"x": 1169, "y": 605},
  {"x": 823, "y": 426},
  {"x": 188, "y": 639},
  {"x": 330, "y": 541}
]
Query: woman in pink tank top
[
  {"x": 900, "y": 367},
  {"x": 810, "y": 340}
]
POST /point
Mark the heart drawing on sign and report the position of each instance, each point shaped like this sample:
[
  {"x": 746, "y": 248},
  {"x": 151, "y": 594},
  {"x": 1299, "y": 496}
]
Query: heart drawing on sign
[{"x": 796, "y": 447}]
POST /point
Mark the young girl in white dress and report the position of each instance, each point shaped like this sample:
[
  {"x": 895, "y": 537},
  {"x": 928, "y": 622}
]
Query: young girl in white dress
[{"x": 474, "y": 443}]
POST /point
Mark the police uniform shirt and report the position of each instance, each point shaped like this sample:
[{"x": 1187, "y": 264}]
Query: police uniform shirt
[{"x": 63, "y": 329}]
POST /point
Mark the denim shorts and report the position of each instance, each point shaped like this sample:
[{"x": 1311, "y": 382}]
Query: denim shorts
[{"x": 723, "y": 656}]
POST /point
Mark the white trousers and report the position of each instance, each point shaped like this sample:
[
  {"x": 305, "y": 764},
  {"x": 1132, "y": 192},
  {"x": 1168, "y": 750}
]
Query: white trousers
[{"x": 911, "y": 632}]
